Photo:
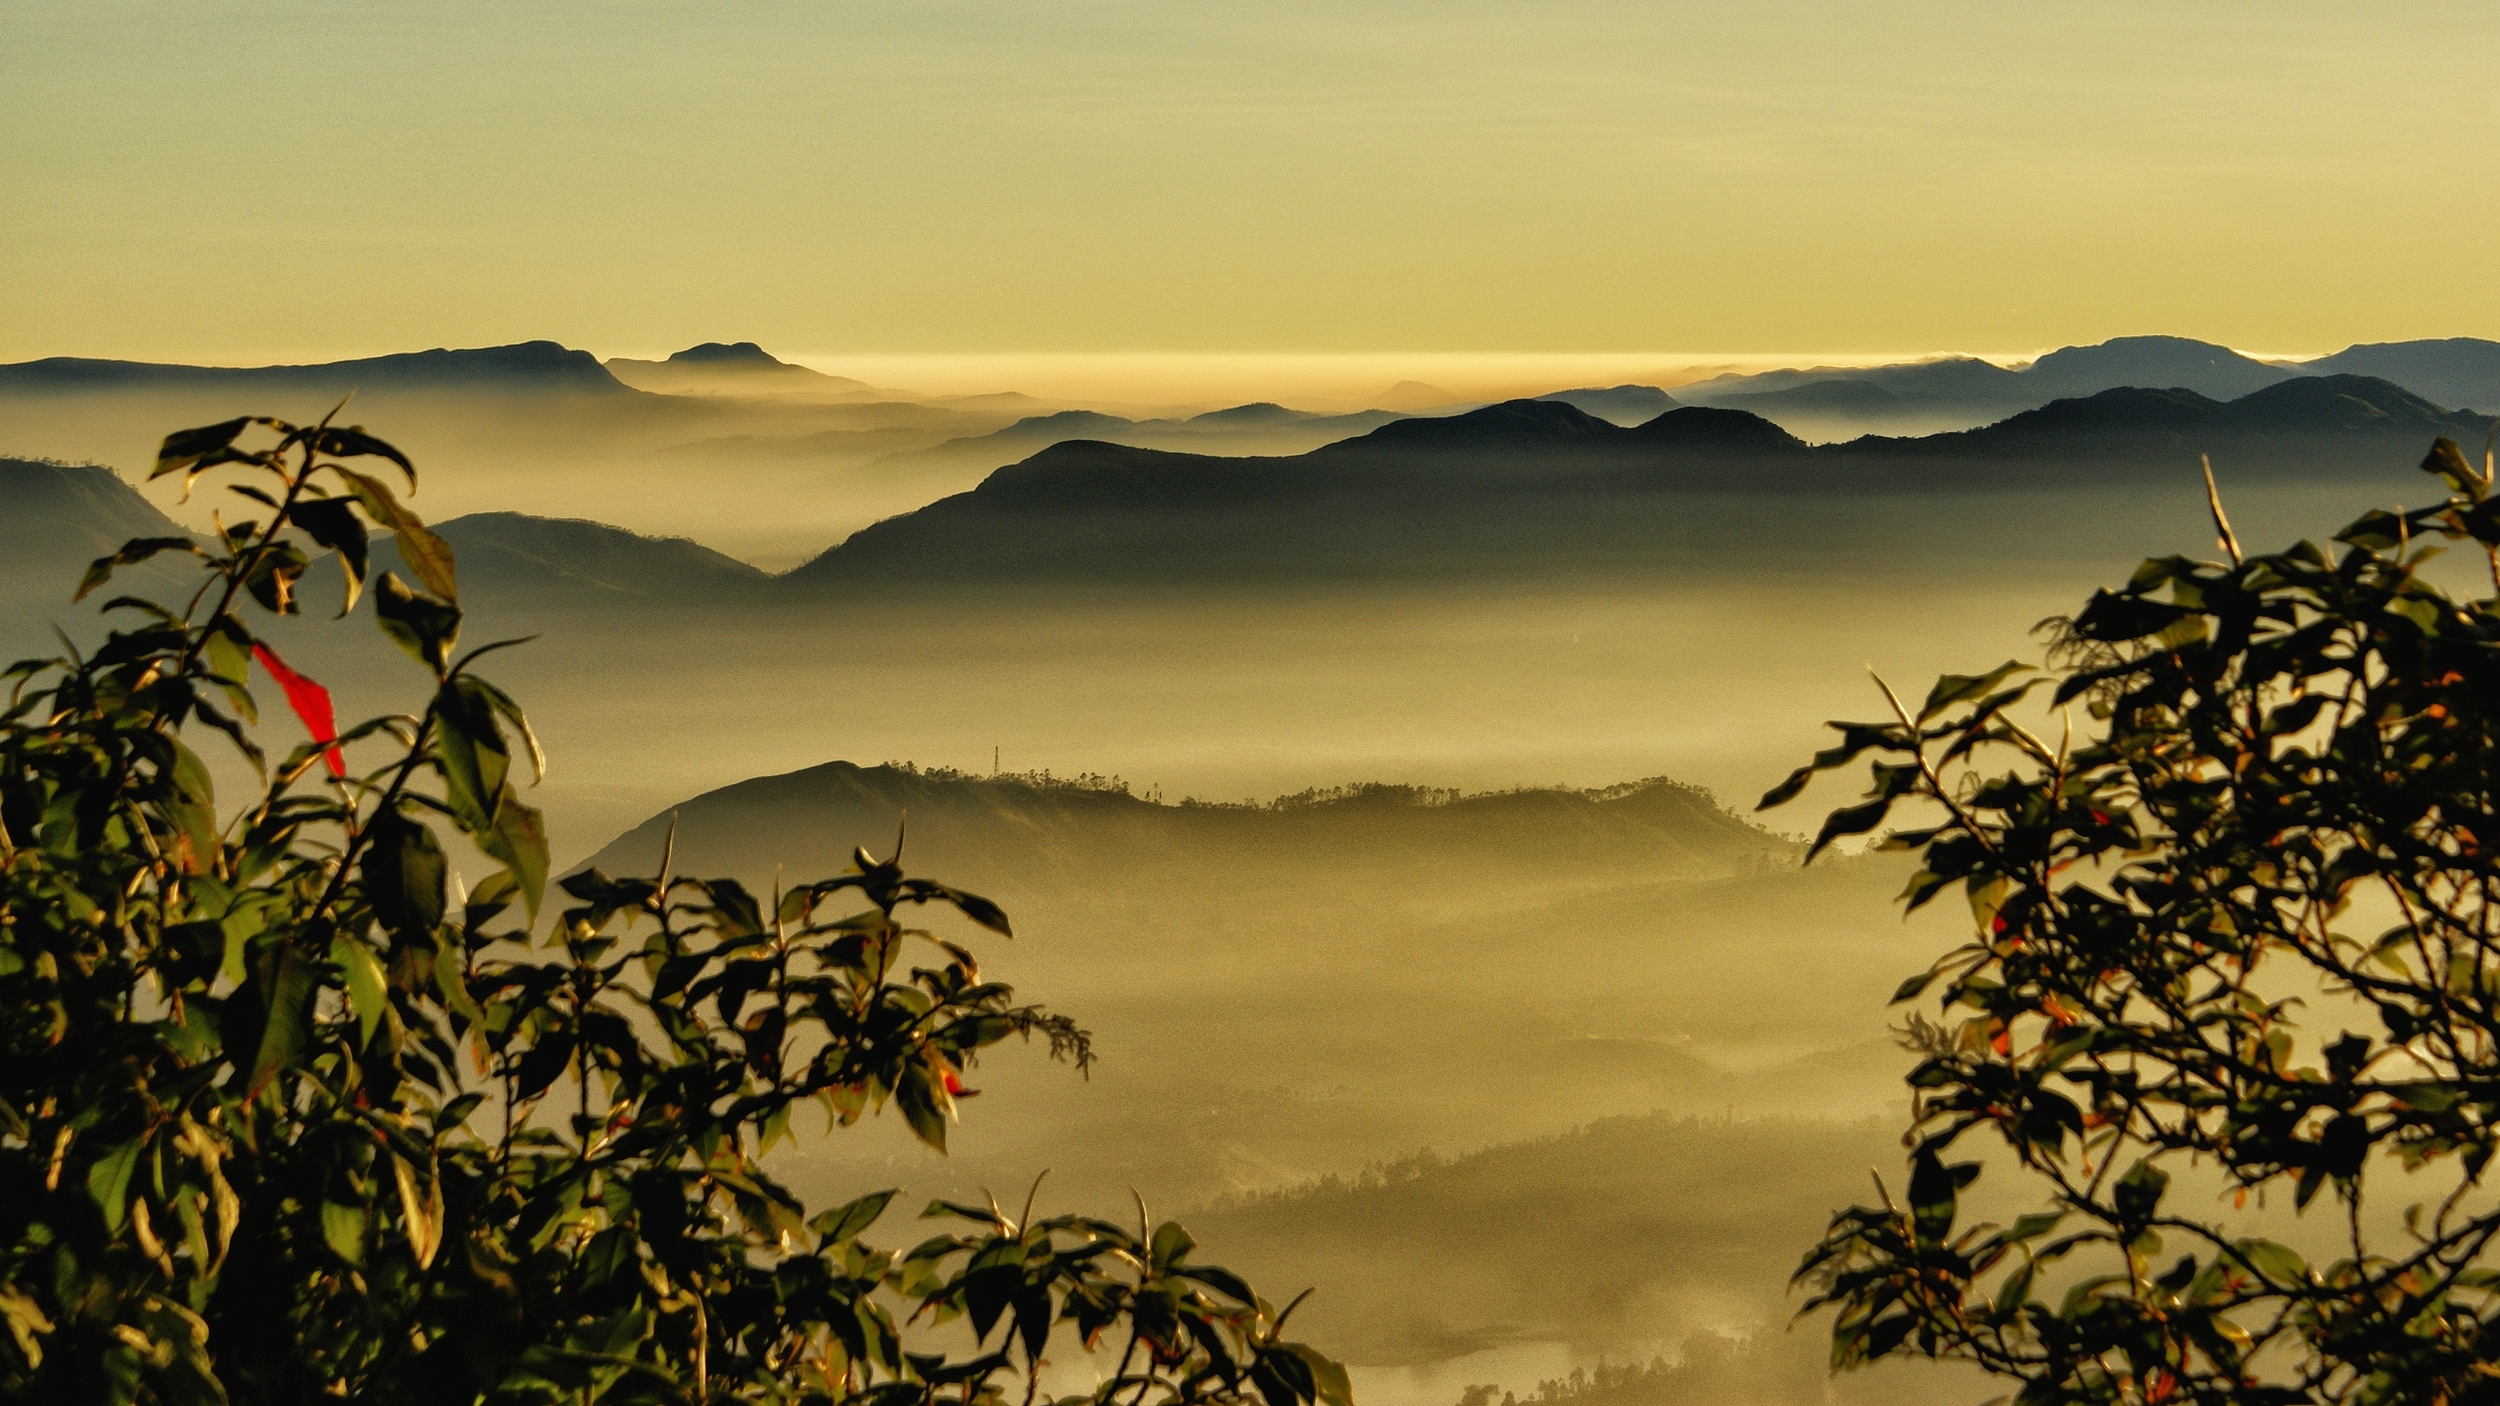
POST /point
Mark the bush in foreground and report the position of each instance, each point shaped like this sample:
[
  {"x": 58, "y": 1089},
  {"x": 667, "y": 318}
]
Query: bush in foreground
[
  {"x": 285, "y": 1117},
  {"x": 2247, "y": 921}
]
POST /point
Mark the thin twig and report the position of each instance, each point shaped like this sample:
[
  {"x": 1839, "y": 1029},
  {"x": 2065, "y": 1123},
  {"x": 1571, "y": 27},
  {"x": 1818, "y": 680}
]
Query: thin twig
[{"x": 2224, "y": 537}]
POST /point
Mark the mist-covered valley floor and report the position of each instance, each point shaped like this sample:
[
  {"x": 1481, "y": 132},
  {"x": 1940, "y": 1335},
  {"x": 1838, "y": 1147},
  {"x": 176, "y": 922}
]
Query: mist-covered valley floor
[{"x": 1511, "y": 1028}]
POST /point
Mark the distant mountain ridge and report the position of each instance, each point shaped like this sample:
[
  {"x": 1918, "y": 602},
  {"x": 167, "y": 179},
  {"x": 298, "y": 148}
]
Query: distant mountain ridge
[
  {"x": 541, "y": 559},
  {"x": 1624, "y": 405},
  {"x": 2456, "y": 371},
  {"x": 522, "y": 366},
  {"x": 1002, "y": 831},
  {"x": 1533, "y": 475},
  {"x": 734, "y": 368}
]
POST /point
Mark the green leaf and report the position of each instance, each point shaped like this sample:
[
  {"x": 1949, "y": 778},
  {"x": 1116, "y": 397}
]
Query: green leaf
[
  {"x": 332, "y": 522},
  {"x": 427, "y": 628},
  {"x": 1913, "y": 986},
  {"x": 426, "y": 554},
  {"x": 1171, "y": 1245},
  {"x": 2278, "y": 1263},
  {"x": 1330, "y": 1385},
  {"x": 1787, "y": 790},
  {"x": 451, "y": 982},
  {"x": 849, "y": 1220},
  {"x": 1223, "y": 1281},
  {"x": 1953, "y": 688},
  {"x": 2448, "y": 462},
  {"x": 404, "y": 873},
  {"x": 1934, "y": 1195},
  {"x": 1855, "y": 820},
  {"x": 474, "y": 756},
  {"x": 519, "y": 840},
  {"x": 367, "y": 991},
  {"x": 915, "y": 1095},
  {"x": 2139, "y": 1192},
  {"x": 134, "y": 551},
  {"x": 977, "y": 908},
  {"x": 203, "y": 448},
  {"x": 352, "y": 442},
  {"x": 344, "y": 1228},
  {"x": 108, "y": 1181},
  {"x": 503, "y": 706},
  {"x": 286, "y": 985}
]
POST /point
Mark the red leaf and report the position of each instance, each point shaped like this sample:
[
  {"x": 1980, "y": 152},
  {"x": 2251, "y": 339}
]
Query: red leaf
[{"x": 310, "y": 701}]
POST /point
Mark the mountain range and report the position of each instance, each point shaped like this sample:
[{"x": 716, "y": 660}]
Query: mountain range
[
  {"x": 1528, "y": 478},
  {"x": 522, "y": 368},
  {"x": 2456, "y": 371},
  {"x": 1417, "y": 495},
  {"x": 999, "y": 832}
]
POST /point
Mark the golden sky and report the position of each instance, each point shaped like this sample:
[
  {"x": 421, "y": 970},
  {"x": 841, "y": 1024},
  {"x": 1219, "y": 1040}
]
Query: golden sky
[{"x": 245, "y": 182}]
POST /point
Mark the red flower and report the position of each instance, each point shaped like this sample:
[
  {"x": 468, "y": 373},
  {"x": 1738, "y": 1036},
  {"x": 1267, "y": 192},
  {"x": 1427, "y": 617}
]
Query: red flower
[{"x": 311, "y": 703}]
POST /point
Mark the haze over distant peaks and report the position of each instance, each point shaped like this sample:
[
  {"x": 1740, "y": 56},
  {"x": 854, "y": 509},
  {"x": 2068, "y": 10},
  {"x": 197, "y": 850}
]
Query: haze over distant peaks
[
  {"x": 1624, "y": 405},
  {"x": 737, "y": 369},
  {"x": 1935, "y": 394},
  {"x": 519, "y": 553},
  {"x": 1416, "y": 395},
  {"x": 2155, "y": 362},
  {"x": 2455, "y": 371}
]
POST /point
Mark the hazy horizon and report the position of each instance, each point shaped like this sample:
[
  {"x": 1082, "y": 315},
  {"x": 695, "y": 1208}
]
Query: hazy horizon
[{"x": 1566, "y": 1069}]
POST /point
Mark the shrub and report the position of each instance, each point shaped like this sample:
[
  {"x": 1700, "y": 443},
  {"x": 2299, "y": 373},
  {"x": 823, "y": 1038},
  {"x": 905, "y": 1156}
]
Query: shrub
[
  {"x": 2169, "y": 968},
  {"x": 284, "y": 1116}
]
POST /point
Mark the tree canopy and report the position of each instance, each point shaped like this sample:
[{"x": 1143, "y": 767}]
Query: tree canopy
[{"x": 2243, "y": 922}]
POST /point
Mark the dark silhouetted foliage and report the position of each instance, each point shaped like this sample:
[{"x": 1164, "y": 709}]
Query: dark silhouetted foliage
[
  {"x": 2245, "y": 925},
  {"x": 286, "y": 1116}
]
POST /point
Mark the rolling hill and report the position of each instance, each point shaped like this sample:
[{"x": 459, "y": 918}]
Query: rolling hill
[
  {"x": 56, "y": 518},
  {"x": 2450, "y": 370},
  {"x": 536, "y": 559},
  {"x": 1003, "y": 830}
]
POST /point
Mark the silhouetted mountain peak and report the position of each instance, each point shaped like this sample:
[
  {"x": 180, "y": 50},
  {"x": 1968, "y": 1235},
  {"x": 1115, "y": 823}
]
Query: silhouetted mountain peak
[
  {"x": 1066, "y": 422},
  {"x": 1621, "y": 405},
  {"x": 2453, "y": 371},
  {"x": 1262, "y": 412},
  {"x": 724, "y": 355},
  {"x": 2157, "y": 363},
  {"x": 1719, "y": 430},
  {"x": 1512, "y": 424},
  {"x": 2342, "y": 402}
]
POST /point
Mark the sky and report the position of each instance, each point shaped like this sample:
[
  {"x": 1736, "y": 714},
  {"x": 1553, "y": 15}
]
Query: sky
[{"x": 251, "y": 182}]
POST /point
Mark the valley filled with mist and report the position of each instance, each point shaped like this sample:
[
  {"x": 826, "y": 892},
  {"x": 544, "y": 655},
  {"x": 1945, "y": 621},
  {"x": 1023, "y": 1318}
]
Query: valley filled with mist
[{"x": 1373, "y": 781}]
